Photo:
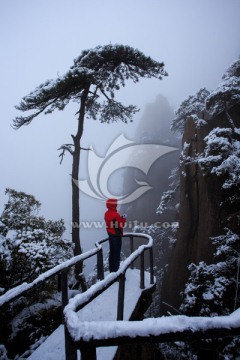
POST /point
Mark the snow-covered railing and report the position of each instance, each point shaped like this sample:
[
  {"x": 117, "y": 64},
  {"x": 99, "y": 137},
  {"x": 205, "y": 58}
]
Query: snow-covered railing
[
  {"x": 131, "y": 236},
  {"x": 60, "y": 269},
  {"x": 64, "y": 267},
  {"x": 80, "y": 300},
  {"x": 89, "y": 335},
  {"x": 75, "y": 304}
]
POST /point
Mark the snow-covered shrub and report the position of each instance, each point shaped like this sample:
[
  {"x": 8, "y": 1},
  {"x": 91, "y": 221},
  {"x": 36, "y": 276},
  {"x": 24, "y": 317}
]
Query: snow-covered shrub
[
  {"x": 222, "y": 156},
  {"x": 169, "y": 195},
  {"x": 227, "y": 94},
  {"x": 33, "y": 322},
  {"x": 207, "y": 290},
  {"x": 31, "y": 244},
  {"x": 195, "y": 106},
  {"x": 3, "y": 352},
  {"x": 212, "y": 289}
]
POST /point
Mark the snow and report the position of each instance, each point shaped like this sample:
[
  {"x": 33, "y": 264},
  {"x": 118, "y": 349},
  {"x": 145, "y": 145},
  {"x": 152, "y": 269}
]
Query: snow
[
  {"x": 11, "y": 294},
  {"x": 97, "y": 320},
  {"x": 104, "y": 307},
  {"x": 227, "y": 93},
  {"x": 229, "y": 90},
  {"x": 222, "y": 156},
  {"x": 82, "y": 298},
  {"x": 132, "y": 292},
  {"x": 208, "y": 296},
  {"x": 51, "y": 349},
  {"x": 194, "y": 107},
  {"x": 155, "y": 326}
]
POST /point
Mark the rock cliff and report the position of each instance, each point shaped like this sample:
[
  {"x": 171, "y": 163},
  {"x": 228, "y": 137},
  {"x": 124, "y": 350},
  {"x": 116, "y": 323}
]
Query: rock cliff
[{"x": 200, "y": 213}]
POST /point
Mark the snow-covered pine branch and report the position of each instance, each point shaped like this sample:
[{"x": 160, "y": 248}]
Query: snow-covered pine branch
[
  {"x": 227, "y": 94},
  {"x": 193, "y": 105}
]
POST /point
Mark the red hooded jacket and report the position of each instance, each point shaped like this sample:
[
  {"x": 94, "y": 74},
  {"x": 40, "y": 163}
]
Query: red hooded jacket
[{"x": 114, "y": 222}]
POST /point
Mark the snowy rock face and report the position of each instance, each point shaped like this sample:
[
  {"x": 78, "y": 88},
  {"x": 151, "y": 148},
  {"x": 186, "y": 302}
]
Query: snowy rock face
[{"x": 201, "y": 215}]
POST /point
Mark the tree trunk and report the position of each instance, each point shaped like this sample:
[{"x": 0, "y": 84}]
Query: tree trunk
[{"x": 76, "y": 192}]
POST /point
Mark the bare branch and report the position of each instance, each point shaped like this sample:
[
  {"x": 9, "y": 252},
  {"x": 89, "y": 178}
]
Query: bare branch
[
  {"x": 66, "y": 147},
  {"x": 88, "y": 149}
]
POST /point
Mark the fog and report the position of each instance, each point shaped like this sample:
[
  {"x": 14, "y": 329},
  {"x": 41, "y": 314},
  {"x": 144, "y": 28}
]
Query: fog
[{"x": 197, "y": 41}]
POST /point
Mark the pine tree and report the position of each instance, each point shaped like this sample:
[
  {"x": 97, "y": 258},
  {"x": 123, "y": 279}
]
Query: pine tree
[
  {"x": 227, "y": 94},
  {"x": 193, "y": 105},
  {"x": 92, "y": 81}
]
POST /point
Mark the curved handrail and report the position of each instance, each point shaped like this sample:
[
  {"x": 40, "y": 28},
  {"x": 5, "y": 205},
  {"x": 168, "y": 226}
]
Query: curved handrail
[
  {"x": 81, "y": 300},
  {"x": 161, "y": 329},
  {"x": 22, "y": 289},
  {"x": 62, "y": 270}
]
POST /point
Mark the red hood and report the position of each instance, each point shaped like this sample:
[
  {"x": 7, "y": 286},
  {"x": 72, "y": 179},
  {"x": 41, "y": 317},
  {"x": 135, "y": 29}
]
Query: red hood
[{"x": 111, "y": 203}]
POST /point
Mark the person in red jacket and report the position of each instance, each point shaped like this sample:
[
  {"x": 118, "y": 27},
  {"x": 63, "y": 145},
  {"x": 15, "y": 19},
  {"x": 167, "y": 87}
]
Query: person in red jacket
[{"x": 114, "y": 226}]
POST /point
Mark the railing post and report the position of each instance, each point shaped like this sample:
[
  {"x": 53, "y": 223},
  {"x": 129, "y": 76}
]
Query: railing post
[
  {"x": 131, "y": 247},
  {"x": 151, "y": 265},
  {"x": 70, "y": 350},
  {"x": 59, "y": 288},
  {"x": 100, "y": 272},
  {"x": 64, "y": 288},
  {"x": 142, "y": 284},
  {"x": 88, "y": 351},
  {"x": 121, "y": 292}
]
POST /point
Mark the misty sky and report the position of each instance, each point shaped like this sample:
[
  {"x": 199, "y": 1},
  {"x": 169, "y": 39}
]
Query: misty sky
[{"x": 196, "y": 39}]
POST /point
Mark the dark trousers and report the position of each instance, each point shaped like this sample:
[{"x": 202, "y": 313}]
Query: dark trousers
[{"x": 115, "y": 244}]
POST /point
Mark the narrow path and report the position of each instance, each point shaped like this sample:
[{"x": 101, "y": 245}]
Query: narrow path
[{"x": 104, "y": 307}]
